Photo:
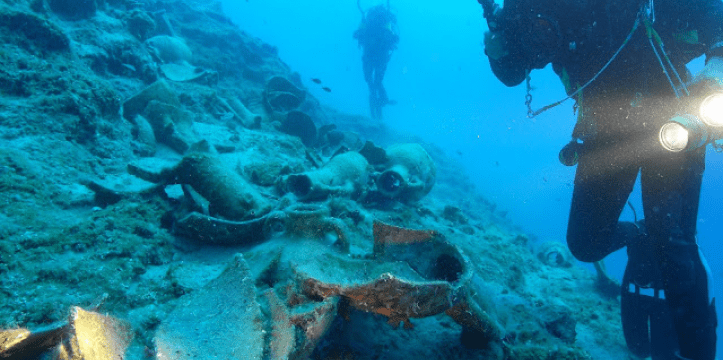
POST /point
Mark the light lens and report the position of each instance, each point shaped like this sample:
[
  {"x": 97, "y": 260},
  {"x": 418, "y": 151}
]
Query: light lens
[
  {"x": 673, "y": 137},
  {"x": 711, "y": 110}
]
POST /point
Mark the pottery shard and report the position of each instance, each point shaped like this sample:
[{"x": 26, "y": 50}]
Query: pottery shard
[
  {"x": 86, "y": 336},
  {"x": 169, "y": 49},
  {"x": 20, "y": 343},
  {"x": 393, "y": 235},
  {"x": 98, "y": 337},
  {"x": 282, "y": 96},
  {"x": 300, "y": 124},
  {"x": 159, "y": 91},
  {"x": 211, "y": 230},
  {"x": 220, "y": 321},
  {"x": 283, "y": 101},
  {"x": 388, "y": 295},
  {"x": 230, "y": 195}
]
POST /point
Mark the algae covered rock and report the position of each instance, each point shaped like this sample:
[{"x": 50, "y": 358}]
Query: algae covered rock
[
  {"x": 35, "y": 30},
  {"x": 140, "y": 24},
  {"x": 74, "y": 9},
  {"x": 559, "y": 321}
]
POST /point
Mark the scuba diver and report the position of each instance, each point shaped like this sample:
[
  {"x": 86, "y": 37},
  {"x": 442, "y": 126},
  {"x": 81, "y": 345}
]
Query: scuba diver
[
  {"x": 378, "y": 38},
  {"x": 624, "y": 64}
]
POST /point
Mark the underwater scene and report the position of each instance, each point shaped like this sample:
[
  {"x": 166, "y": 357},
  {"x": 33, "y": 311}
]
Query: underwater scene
[{"x": 369, "y": 179}]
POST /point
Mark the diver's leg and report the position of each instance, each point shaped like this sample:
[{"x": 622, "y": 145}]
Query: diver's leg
[
  {"x": 368, "y": 69},
  {"x": 375, "y": 96},
  {"x": 644, "y": 313},
  {"x": 374, "y": 107},
  {"x": 671, "y": 191},
  {"x": 663, "y": 342},
  {"x": 379, "y": 72},
  {"x": 603, "y": 182}
]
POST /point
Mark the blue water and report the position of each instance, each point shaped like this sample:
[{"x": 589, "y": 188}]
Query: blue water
[{"x": 447, "y": 94}]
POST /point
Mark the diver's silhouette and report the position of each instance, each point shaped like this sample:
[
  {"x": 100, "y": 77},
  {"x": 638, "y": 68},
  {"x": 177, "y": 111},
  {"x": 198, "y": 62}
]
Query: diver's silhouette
[
  {"x": 624, "y": 63},
  {"x": 378, "y": 38}
]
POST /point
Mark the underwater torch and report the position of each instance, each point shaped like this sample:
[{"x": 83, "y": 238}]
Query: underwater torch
[{"x": 691, "y": 131}]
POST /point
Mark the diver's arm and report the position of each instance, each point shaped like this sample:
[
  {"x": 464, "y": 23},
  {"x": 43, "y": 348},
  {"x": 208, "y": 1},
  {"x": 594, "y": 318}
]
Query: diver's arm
[
  {"x": 710, "y": 79},
  {"x": 360, "y": 35},
  {"x": 708, "y": 20}
]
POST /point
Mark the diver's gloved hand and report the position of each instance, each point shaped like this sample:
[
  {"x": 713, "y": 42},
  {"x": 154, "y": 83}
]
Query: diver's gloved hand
[
  {"x": 495, "y": 48},
  {"x": 709, "y": 79}
]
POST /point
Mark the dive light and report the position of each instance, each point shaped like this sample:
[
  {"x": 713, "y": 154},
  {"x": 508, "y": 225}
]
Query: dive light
[
  {"x": 688, "y": 132},
  {"x": 570, "y": 153}
]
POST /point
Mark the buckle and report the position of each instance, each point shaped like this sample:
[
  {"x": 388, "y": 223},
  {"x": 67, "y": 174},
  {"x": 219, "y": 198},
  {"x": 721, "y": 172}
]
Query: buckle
[{"x": 645, "y": 291}]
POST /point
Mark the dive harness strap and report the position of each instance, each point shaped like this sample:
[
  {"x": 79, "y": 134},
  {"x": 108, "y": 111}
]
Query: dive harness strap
[
  {"x": 528, "y": 97},
  {"x": 647, "y": 16}
]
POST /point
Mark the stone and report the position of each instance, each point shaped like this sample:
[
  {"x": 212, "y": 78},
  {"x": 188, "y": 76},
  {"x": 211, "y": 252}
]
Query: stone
[{"x": 74, "y": 9}]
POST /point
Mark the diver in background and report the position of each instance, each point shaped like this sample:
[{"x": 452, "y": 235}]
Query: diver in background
[
  {"x": 610, "y": 56},
  {"x": 378, "y": 38}
]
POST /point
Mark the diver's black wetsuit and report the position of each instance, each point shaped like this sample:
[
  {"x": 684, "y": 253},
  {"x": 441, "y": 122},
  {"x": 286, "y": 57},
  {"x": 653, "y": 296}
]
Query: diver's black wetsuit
[
  {"x": 378, "y": 40},
  {"x": 620, "y": 115}
]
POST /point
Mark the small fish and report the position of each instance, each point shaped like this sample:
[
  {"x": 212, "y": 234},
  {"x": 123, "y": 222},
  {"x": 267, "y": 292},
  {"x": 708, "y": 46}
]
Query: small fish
[
  {"x": 226, "y": 116},
  {"x": 316, "y": 81},
  {"x": 129, "y": 67},
  {"x": 326, "y": 89}
]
